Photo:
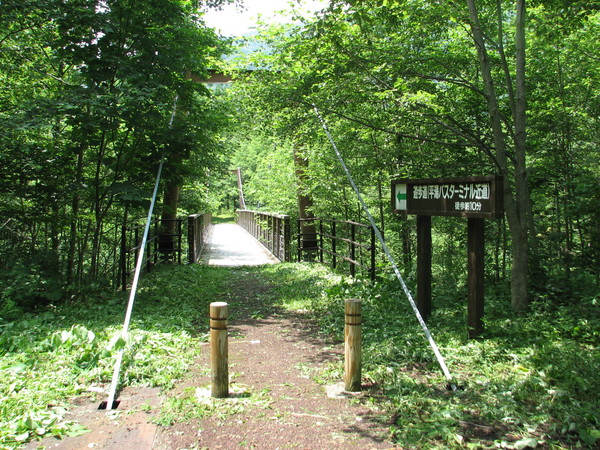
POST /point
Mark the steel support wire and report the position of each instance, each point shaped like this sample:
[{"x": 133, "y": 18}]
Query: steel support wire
[
  {"x": 390, "y": 258},
  {"x": 110, "y": 402}
]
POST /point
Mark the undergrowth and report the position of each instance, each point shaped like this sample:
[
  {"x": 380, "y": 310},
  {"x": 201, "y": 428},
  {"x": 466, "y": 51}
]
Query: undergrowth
[
  {"x": 528, "y": 381},
  {"x": 77, "y": 344}
]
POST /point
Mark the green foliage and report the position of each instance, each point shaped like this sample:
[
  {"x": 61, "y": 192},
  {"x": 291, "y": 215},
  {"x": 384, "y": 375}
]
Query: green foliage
[
  {"x": 88, "y": 107},
  {"x": 29, "y": 351},
  {"x": 77, "y": 342},
  {"x": 86, "y": 98},
  {"x": 528, "y": 378},
  {"x": 268, "y": 174},
  {"x": 28, "y": 284},
  {"x": 297, "y": 286},
  {"x": 399, "y": 84}
]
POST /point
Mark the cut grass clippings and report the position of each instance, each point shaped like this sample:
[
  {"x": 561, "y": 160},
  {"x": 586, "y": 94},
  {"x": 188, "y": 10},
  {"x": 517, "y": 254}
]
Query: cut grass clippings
[
  {"x": 77, "y": 343},
  {"x": 529, "y": 381}
]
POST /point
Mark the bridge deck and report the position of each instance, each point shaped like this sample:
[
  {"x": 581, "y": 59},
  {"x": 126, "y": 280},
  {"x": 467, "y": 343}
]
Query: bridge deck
[{"x": 231, "y": 245}]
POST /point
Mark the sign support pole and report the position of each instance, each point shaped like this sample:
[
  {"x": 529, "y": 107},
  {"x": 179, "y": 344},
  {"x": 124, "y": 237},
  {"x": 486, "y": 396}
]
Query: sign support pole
[
  {"x": 474, "y": 198},
  {"x": 476, "y": 242},
  {"x": 424, "y": 265}
]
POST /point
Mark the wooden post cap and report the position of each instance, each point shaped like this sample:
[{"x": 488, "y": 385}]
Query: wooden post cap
[
  {"x": 217, "y": 308},
  {"x": 353, "y": 311},
  {"x": 218, "y": 316}
]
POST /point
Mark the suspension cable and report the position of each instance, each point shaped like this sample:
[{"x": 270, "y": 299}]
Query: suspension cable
[
  {"x": 389, "y": 256},
  {"x": 140, "y": 261}
]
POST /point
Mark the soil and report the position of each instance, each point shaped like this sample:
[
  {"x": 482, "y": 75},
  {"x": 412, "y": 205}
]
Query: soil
[{"x": 275, "y": 356}]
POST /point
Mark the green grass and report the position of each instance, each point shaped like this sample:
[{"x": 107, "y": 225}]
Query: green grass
[
  {"x": 528, "y": 380},
  {"x": 77, "y": 344},
  {"x": 225, "y": 217},
  {"x": 196, "y": 403}
]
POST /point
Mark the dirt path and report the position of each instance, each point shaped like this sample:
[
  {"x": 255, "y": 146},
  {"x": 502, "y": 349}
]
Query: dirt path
[
  {"x": 274, "y": 357},
  {"x": 278, "y": 357}
]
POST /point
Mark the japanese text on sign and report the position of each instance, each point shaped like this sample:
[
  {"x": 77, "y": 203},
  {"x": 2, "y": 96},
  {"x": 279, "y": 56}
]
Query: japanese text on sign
[
  {"x": 479, "y": 191},
  {"x": 466, "y": 197}
]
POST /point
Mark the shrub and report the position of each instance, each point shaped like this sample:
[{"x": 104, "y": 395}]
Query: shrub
[{"x": 29, "y": 284}]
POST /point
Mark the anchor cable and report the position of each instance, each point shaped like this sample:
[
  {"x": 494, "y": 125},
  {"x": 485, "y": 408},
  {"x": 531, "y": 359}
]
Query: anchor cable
[
  {"x": 389, "y": 256},
  {"x": 140, "y": 261}
]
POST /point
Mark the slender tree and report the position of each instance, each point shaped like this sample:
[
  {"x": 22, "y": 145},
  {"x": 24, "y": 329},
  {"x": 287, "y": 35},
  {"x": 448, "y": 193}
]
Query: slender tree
[{"x": 517, "y": 197}]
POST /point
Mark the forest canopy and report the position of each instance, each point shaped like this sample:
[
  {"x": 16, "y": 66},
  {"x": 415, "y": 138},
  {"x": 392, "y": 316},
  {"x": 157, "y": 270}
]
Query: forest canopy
[
  {"x": 415, "y": 89},
  {"x": 409, "y": 89}
]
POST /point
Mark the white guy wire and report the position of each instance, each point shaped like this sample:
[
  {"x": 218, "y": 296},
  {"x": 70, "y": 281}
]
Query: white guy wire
[
  {"x": 432, "y": 343},
  {"x": 115, "y": 378}
]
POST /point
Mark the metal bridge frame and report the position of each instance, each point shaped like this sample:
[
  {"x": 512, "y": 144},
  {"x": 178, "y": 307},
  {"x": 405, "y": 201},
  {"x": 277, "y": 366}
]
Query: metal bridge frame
[{"x": 271, "y": 230}]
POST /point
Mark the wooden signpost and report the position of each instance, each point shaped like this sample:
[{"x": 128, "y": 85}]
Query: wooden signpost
[{"x": 475, "y": 198}]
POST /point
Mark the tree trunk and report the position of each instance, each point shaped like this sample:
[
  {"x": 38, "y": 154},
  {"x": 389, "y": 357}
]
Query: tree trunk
[
  {"x": 74, "y": 213},
  {"x": 97, "y": 209},
  {"x": 518, "y": 207},
  {"x": 242, "y": 200},
  {"x": 308, "y": 232},
  {"x": 166, "y": 242}
]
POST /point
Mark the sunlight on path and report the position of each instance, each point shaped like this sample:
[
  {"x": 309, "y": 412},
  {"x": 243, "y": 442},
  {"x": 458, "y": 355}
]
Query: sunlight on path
[{"x": 231, "y": 245}]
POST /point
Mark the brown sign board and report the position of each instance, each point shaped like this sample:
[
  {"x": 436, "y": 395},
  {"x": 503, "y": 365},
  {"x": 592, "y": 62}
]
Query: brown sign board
[{"x": 472, "y": 197}]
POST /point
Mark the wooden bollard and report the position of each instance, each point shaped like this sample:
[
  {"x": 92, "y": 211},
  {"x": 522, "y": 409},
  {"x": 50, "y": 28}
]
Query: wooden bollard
[
  {"x": 218, "y": 350},
  {"x": 353, "y": 341}
]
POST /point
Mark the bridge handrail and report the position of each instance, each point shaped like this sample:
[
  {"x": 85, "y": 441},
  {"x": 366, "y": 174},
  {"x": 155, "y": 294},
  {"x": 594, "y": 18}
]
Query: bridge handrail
[
  {"x": 271, "y": 229},
  {"x": 131, "y": 244},
  {"x": 325, "y": 242},
  {"x": 198, "y": 229}
]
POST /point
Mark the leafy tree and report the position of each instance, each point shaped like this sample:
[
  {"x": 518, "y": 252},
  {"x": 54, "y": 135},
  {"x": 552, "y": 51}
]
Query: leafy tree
[
  {"x": 564, "y": 127},
  {"x": 418, "y": 89},
  {"x": 87, "y": 94}
]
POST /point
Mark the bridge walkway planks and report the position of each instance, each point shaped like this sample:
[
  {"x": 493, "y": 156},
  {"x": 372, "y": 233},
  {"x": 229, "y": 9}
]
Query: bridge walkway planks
[{"x": 232, "y": 246}]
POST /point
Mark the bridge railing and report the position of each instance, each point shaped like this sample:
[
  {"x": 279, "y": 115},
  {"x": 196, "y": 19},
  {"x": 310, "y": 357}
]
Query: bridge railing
[
  {"x": 198, "y": 229},
  {"x": 343, "y": 241},
  {"x": 271, "y": 230},
  {"x": 156, "y": 251},
  {"x": 131, "y": 245}
]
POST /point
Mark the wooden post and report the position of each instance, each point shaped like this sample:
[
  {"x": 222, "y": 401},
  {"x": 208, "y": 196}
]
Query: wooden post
[
  {"x": 476, "y": 238},
  {"x": 299, "y": 240},
  {"x": 151, "y": 244},
  {"x": 277, "y": 237},
  {"x": 333, "y": 244},
  {"x": 179, "y": 246},
  {"x": 321, "y": 241},
  {"x": 372, "y": 254},
  {"x": 424, "y": 265},
  {"x": 124, "y": 258},
  {"x": 353, "y": 340},
  {"x": 136, "y": 232},
  {"x": 352, "y": 250},
  {"x": 287, "y": 238},
  {"x": 218, "y": 350},
  {"x": 191, "y": 240}
]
